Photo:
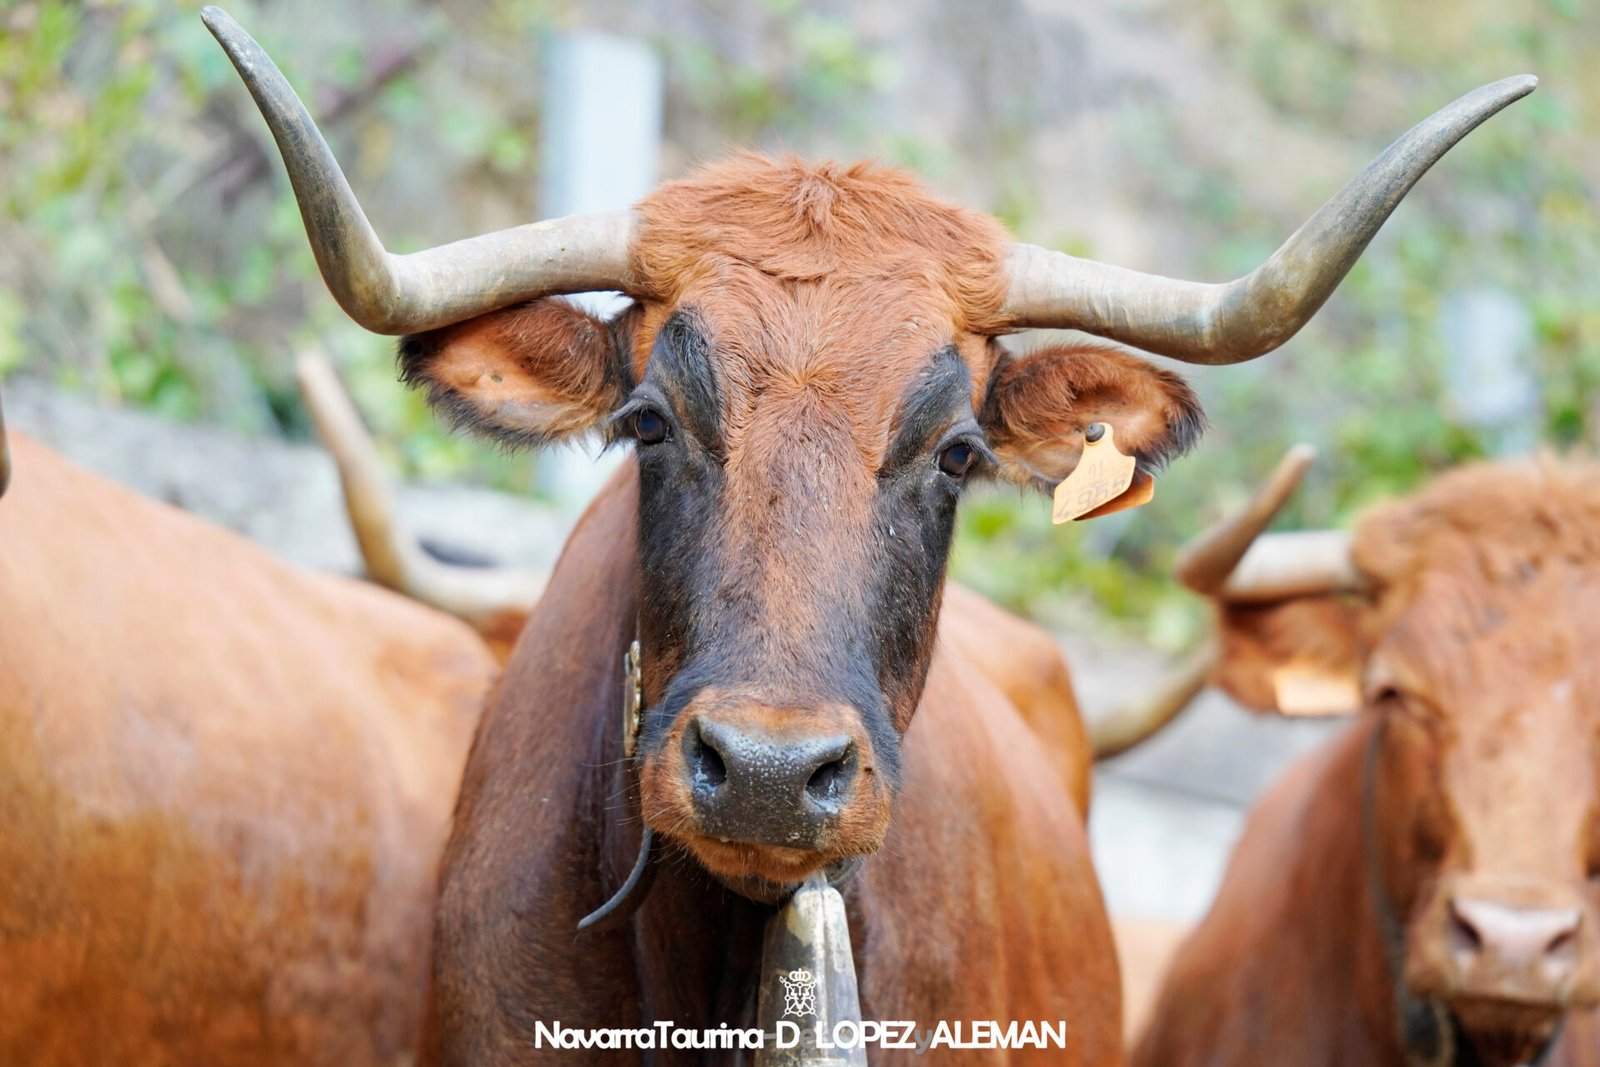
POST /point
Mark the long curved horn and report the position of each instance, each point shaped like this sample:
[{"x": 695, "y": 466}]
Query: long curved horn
[
  {"x": 392, "y": 557},
  {"x": 1125, "y": 728},
  {"x": 1234, "y": 562},
  {"x": 395, "y": 294},
  {"x": 1248, "y": 317}
]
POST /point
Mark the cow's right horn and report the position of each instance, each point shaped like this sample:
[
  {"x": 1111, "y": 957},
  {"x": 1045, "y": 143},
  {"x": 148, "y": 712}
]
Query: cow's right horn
[
  {"x": 1234, "y": 562},
  {"x": 396, "y": 294}
]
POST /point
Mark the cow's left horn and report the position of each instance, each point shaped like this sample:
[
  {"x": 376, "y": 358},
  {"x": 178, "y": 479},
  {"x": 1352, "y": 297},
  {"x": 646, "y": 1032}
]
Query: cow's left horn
[
  {"x": 1249, "y": 317},
  {"x": 395, "y": 294}
]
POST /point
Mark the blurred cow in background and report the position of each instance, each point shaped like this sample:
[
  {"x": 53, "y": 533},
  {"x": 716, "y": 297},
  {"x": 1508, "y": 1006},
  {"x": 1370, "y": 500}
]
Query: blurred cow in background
[
  {"x": 224, "y": 787},
  {"x": 1421, "y": 890}
]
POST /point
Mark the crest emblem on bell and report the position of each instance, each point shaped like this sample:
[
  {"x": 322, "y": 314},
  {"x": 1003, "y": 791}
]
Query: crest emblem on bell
[{"x": 799, "y": 993}]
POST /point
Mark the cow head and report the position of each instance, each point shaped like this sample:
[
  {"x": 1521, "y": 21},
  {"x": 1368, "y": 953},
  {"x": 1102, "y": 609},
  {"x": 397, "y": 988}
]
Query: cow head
[
  {"x": 1466, "y": 632},
  {"x": 809, "y": 373},
  {"x": 807, "y": 388}
]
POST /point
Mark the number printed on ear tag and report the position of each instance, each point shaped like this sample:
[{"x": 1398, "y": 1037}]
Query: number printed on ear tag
[{"x": 1102, "y": 474}]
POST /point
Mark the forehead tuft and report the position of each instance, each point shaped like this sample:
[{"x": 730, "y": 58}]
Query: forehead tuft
[{"x": 792, "y": 221}]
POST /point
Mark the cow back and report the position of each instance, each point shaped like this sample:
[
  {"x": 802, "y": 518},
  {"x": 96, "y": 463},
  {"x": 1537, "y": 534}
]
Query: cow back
[{"x": 224, "y": 784}]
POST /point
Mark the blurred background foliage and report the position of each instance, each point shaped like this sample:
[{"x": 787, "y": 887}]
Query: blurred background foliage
[{"x": 151, "y": 255}]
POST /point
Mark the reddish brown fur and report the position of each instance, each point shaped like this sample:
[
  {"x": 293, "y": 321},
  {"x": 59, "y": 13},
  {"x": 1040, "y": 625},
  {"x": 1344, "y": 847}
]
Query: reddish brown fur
[
  {"x": 1317, "y": 632},
  {"x": 1025, "y": 664},
  {"x": 1476, "y": 649},
  {"x": 223, "y": 785},
  {"x": 556, "y": 376}
]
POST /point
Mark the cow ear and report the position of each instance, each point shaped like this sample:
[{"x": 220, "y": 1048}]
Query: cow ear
[
  {"x": 1039, "y": 405},
  {"x": 1295, "y": 657},
  {"x": 532, "y": 374}
]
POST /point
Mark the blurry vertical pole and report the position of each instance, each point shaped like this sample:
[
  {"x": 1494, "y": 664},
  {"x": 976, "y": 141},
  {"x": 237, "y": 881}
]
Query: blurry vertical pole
[
  {"x": 1490, "y": 379},
  {"x": 599, "y": 149}
]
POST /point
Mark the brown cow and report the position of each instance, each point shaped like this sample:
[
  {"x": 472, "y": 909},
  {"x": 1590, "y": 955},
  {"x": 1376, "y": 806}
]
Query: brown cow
[
  {"x": 808, "y": 374},
  {"x": 1422, "y": 889},
  {"x": 224, "y": 788}
]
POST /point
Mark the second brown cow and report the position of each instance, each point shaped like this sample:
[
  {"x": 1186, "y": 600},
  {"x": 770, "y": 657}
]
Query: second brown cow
[{"x": 1421, "y": 890}]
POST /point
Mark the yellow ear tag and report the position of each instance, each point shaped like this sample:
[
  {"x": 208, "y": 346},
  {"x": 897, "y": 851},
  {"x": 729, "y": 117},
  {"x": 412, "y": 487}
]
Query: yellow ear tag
[
  {"x": 1305, "y": 688},
  {"x": 1101, "y": 478}
]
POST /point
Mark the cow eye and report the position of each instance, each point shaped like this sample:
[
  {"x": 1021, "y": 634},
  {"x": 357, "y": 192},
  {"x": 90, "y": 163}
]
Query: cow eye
[
  {"x": 1386, "y": 695},
  {"x": 649, "y": 426},
  {"x": 957, "y": 459}
]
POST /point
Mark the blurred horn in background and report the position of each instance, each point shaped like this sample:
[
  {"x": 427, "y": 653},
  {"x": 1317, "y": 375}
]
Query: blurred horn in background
[
  {"x": 493, "y": 600},
  {"x": 1236, "y": 563},
  {"x": 1131, "y": 726}
]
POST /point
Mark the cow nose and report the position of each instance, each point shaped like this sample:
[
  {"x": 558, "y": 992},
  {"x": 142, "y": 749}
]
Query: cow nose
[
  {"x": 1538, "y": 943},
  {"x": 767, "y": 789}
]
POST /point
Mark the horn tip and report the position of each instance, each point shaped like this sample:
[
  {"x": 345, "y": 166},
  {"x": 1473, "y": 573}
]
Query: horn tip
[
  {"x": 1520, "y": 85},
  {"x": 1291, "y": 470},
  {"x": 234, "y": 38},
  {"x": 216, "y": 19}
]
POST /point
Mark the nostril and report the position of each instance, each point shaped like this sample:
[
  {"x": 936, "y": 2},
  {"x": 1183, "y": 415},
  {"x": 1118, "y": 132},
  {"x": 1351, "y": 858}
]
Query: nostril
[
  {"x": 824, "y": 782},
  {"x": 1465, "y": 940},
  {"x": 830, "y": 782},
  {"x": 706, "y": 766},
  {"x": 1563, "y": 948}
]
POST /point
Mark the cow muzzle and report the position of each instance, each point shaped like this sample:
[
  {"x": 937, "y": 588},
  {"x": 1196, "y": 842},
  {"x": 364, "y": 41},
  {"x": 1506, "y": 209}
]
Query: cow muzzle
[
  {"x": 758, "y": 787},
  {"x": 770, "y": 793},
  {"x": 1497, "y": 949}
]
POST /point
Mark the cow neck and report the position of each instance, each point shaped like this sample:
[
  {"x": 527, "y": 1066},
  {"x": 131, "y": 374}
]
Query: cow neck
[{"x": 1430, "y": 1035}]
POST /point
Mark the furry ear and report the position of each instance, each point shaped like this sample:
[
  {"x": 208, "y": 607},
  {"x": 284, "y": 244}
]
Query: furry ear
[
  {"x": 1295, "y": 657},
  {"x": 529, "y": 375},
  {"x": 1039, "y": 405}
]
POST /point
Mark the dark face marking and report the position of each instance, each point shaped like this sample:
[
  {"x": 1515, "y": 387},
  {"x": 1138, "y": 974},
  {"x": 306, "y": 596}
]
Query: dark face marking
[
  {"x": 681, "y": 373},
  {"x": 914, "y": 518},
  {"x": 794, "y": 593}
]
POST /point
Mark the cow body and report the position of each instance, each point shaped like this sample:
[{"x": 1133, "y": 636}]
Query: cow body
[
  {"x": 1443, "y": 853},
  {"x": 980, "y": 905},
  {"x": 224, "y": 785}
]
